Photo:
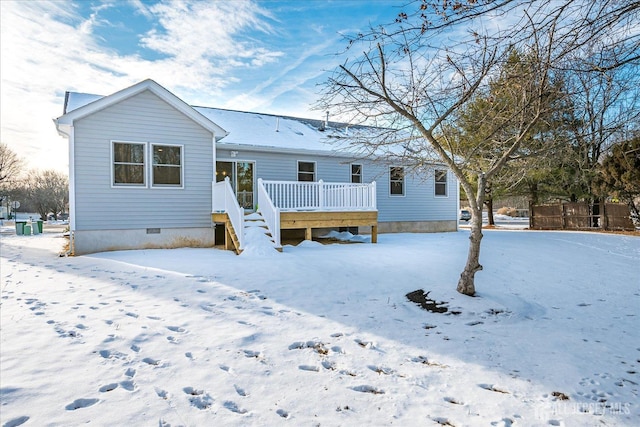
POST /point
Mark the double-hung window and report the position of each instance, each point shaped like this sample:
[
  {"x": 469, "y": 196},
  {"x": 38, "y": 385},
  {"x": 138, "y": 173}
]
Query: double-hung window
[
  {"x": 396, "y": 181},
  {"x": 307, "y": 171},
  {"x": 440, "y": 177},
  {"x": 167, "y": 165},
  {"x": 356, "y": 174},
  {"x": 129, "y": 164}
]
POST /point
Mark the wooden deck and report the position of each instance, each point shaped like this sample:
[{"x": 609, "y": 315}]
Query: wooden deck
[{"x": 308, "y": 220}]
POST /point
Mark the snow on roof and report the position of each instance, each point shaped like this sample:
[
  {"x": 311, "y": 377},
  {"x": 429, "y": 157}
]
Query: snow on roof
[
  {"x": 255, "y": 129},
  {"x": 266, "y": 130},
  {"x": 74, "y": 100}
]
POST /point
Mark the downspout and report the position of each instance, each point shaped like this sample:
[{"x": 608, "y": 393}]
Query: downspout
[
  {"x": 213, "y": 182},
  {"x": 69, "y": 132},
  {"x": 72, "y": 190}
]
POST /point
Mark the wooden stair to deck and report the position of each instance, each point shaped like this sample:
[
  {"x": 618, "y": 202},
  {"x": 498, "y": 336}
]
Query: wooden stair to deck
[
  {"x": 252, "y": 220},
  {"x": 231, "y": 241},
  {"x": 255, "y": 220}
]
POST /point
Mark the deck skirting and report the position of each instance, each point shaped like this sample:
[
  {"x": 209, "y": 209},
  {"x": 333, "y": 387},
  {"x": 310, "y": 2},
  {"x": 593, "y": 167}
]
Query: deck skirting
[{"x": 308, "y": 220}]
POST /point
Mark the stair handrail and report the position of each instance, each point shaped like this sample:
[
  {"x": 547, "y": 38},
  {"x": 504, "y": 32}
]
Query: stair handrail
[
  {"x": 225, "y": 200},
  {"x": 270, "y": 213}
]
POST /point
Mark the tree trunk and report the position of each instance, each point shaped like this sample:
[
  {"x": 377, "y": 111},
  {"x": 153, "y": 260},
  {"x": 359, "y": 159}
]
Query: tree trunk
[
  {"x": 466, "y": 284},
  {"x": 489, "y": 204},
  {"x": 488, "y": 200}
]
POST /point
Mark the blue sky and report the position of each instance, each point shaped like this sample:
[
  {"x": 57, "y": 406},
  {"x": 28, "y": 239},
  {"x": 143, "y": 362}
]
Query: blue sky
[{"x": 264, "y": 56}]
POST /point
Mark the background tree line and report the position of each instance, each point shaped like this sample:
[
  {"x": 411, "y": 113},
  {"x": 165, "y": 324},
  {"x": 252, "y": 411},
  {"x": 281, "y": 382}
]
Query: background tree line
[{"x": 42, "y": 192}]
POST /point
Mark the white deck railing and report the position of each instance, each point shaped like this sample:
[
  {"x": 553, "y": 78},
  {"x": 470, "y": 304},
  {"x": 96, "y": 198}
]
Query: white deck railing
[
  {"x": 324, "y": 196},
  {"x": 224, "y": 200},
  {"x": 270, "y": 213}
]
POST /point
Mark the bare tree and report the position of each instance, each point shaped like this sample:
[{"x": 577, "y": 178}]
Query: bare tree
[
  {"x": 10, "y": 164},
  {"x": 47, "y": 191},
  {"x": 413, "y": 78}
]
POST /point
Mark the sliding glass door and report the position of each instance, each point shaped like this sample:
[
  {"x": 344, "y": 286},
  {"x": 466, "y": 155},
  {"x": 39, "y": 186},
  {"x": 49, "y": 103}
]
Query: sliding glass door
[{"x": 241, "y": 176}]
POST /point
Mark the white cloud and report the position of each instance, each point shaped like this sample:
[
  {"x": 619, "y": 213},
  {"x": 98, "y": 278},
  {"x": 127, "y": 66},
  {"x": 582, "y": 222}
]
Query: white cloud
[
  {"x": 193, "y": 31},
  {"x": 47, "y": 48}
]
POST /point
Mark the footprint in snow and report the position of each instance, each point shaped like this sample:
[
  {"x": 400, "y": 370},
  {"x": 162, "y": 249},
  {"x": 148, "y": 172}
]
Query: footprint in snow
[
  {"x": 162, "y": 393},
  {"x": 282, "y": 413},
  {"x": 309, "y": 368},
  {"x": 453, "y": 401},
  {"x": 366, "y": 344},
  {"x": 108, "y": 387},
  {"x": 199, "y": 398},
  {"x": 16, "y": 421},
  {"x": 331, "y": 366},
  {"x": 492, "y": 387},
  {"x": 241, "y": 392},
  {"x": 81, "y": 403},
  {"x": 380, "y": 369},
  {"x": 251, "y": 353},
  {"x": 443, "y": 421},
  {"x": 175, "y": 329},
  {"x": 151, "y": 361},
  {"x": 128, "y": 385},
  {"x": 233, "y": 407},
  {"x": 367, "y": 389}
]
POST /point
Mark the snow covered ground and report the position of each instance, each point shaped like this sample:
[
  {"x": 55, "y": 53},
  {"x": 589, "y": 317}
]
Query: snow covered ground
[{"x": 323, "y": 334}]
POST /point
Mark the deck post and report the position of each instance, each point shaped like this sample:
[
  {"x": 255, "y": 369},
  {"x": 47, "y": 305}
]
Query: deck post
[
  {"x": 308, "y": 235},
  {"x": 374, "y": 234}
]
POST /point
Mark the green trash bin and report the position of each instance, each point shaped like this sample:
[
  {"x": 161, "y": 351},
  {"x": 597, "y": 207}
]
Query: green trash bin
[
  {"x": 20, "y": 227},
  {"x": 40, "y": 225},
  {"x": 27, "y": 229}
]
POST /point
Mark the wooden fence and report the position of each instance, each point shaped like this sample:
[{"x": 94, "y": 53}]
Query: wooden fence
[{"x": 580, "y": 216}]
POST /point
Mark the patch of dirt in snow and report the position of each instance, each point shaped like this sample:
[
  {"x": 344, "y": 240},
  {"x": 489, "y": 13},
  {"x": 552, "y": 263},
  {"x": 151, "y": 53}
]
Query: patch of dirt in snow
[{"x": 422, "y": 299}]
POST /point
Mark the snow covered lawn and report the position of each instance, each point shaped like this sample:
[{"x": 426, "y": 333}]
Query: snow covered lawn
[{"x": 324, "y": 335}]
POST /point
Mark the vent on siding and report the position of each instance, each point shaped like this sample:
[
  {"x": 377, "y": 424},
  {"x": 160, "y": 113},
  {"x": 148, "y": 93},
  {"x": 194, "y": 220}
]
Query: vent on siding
[{"x": 153, "y": 231}]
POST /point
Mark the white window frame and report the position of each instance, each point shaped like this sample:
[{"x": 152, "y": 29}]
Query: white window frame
[
  {"x": 359, "y": 175},
  {"x": 445, "y": 183},
  {"x": 144, "y": 165},
  {"x": 315, "y": 170},
  {"x": 152, "y": 165},
  {"x": 404, "y": 182}
]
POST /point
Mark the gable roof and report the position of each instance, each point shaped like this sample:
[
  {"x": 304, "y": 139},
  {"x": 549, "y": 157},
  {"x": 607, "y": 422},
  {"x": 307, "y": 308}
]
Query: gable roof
[
  {"x": 82, "y": 105},
  {"x": 244, "y": 130}
]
